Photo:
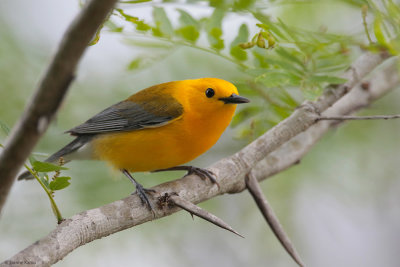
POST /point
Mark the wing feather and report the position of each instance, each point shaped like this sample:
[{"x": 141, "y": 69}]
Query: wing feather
[{"x": 127, "y": 116}]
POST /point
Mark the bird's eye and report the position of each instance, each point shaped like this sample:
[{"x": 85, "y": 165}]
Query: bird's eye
[{"x": 210, "y": 92}]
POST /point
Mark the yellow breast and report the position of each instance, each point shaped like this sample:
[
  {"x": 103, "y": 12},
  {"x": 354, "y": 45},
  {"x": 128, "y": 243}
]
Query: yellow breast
[
  {"x": 163, "y": 147},
  {"x": 203, "y": 120}
]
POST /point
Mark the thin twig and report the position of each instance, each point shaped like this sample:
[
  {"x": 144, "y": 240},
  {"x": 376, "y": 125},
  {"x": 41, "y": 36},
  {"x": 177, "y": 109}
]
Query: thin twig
[
  {"x": 343, "y": 118},
  {"x": 364, "y": 12},
  {"x": 50, "y": 92},
  {"x": 255, "y": 190},
  {"x": 193, "y": 209},
  {"x": 53, "y": 204}
]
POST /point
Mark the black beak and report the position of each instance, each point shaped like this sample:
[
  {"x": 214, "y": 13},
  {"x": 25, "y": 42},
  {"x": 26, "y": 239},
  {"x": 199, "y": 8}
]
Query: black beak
[{"x": 234, "y": 99}]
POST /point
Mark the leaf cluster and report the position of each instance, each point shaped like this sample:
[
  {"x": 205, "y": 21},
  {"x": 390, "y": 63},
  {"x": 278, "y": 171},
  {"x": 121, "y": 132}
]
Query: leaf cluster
[
  {"x": 41, "y": 171},
  {"x": 284, "y": 64},
  {"x": 385, "y": 25}
]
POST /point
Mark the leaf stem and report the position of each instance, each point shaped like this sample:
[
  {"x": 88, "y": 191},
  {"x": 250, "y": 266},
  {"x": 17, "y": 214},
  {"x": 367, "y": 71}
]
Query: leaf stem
[
  {"x": 364, "y": 11},
  {"x": 211, "y": 51},
  {"x": 48, "y": 192},
  {"x": 194, "y": 46}
]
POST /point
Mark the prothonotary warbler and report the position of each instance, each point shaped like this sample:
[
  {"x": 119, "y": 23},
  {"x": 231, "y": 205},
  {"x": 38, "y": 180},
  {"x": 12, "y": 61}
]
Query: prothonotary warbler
[{"x": 158, "y": 128}]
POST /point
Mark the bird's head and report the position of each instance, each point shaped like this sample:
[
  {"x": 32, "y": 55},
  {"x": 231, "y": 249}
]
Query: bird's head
[{"x": 211, "y": 95}]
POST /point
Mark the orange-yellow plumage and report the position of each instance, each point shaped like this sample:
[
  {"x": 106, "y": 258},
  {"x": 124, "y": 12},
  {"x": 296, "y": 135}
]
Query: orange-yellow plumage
[
  {"x": 157, "y": 128},
  {"x": 181, "y": 139}
]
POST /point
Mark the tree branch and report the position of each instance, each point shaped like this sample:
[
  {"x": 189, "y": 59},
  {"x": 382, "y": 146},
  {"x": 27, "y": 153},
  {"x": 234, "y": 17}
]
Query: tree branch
[
  {"x": 358, "y": 118},
  {"x": 128, "y": 212},
  {"x": 255, "y": 190},
  {"x": 50, "y": 92},
  {"x": 305, "y": 116},
  {"x": 291, "y": 152},
  {"x": 300, "y": 120},
  {"x": 193, "y": 209}
]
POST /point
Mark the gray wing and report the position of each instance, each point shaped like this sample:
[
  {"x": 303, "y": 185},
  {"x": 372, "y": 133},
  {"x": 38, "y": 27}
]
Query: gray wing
[{"x": 126, "y": 116}]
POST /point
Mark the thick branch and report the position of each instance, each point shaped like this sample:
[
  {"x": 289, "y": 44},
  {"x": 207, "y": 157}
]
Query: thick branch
[
  {"x": 305, "y": 115},
  {"x": 50, "y": 92},
  {"x": 128, "y": 212},
  {"x": 291, "y": 152}
]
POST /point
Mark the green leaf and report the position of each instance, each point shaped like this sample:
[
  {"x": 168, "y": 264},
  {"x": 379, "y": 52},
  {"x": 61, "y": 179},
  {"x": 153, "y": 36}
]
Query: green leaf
[
  {"x": 141, "y": 62},
  {"x": 215, "y": 39},
  {"x": 217, "y": 3},
  {"x": 214, "y": 31},
  {"x": 40, "y": 166},
  {"x": 190, "y": 33},
  {"x": 261, "y": 60},
  {"x": 278, "y": 78},
  {"x": 126, "y": 16},
  {"x": 148, "y": 43},
  {"x": 146, "y": 60},
  {"x": 238, "y": 53},
  {"x": 215, "y": 21},
  {"x": 243, "y": 4},
  {"x": 287, "y": 99},
  {"x": 282, "y": 112},
  {"x": 140, "y": 24},
  {"x": 113, "y": 27},
  {"x": 96, "y": 38},
  {"x": 243, "y": 36},
  {"x": 32, "y": 159},
  {"x": 393, "y": 10},
  {"x": 290, "y": 56},
  {"x": 244, "y": 114},
  {"x": 45, "y": 179},
  {"x": 285, "y": 65},
  {"x": 4, "y": 127},
  {"x": 135, "y": 64},
  {"x": 186, "y": 19},
  {"x": 162, "y": 21},
  {"x": 59, "y": 183},
  {"x": 327, "y": 79},
  {"x": 380, "y": 37},
  {"x": 189, "y": 28}
]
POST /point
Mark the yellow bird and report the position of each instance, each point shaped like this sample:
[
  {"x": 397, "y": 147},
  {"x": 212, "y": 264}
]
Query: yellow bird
[{"x": 158, "y": 128}]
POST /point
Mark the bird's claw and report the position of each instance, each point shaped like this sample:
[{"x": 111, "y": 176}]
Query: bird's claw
[
  {"x": 203, "y": 174},
  {"x": 142, "y": 193}
]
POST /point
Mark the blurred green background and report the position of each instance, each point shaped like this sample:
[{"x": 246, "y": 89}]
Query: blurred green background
[{"x": 340, "y": 206}]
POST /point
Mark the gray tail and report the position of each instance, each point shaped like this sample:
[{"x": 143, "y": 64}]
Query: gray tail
[{"x": 68, "y": 149}]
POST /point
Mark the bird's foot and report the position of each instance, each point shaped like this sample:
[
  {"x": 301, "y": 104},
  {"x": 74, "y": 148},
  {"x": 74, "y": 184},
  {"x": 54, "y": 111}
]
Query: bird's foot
[
  {"x": 142, "y": 193},
  {"x": 202, "y": 173}
]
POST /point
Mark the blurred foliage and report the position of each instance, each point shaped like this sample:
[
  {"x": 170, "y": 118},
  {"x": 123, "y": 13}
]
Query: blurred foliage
[
  {"x": 41, "y": 172},
  {"x": 386, "y": 25},
  {"x": 285, "y": 64}
]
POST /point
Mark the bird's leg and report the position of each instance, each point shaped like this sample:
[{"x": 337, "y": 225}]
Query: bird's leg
[
  {"x": 141, "y": 191},
  {"x": 202, "y": 173}
]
